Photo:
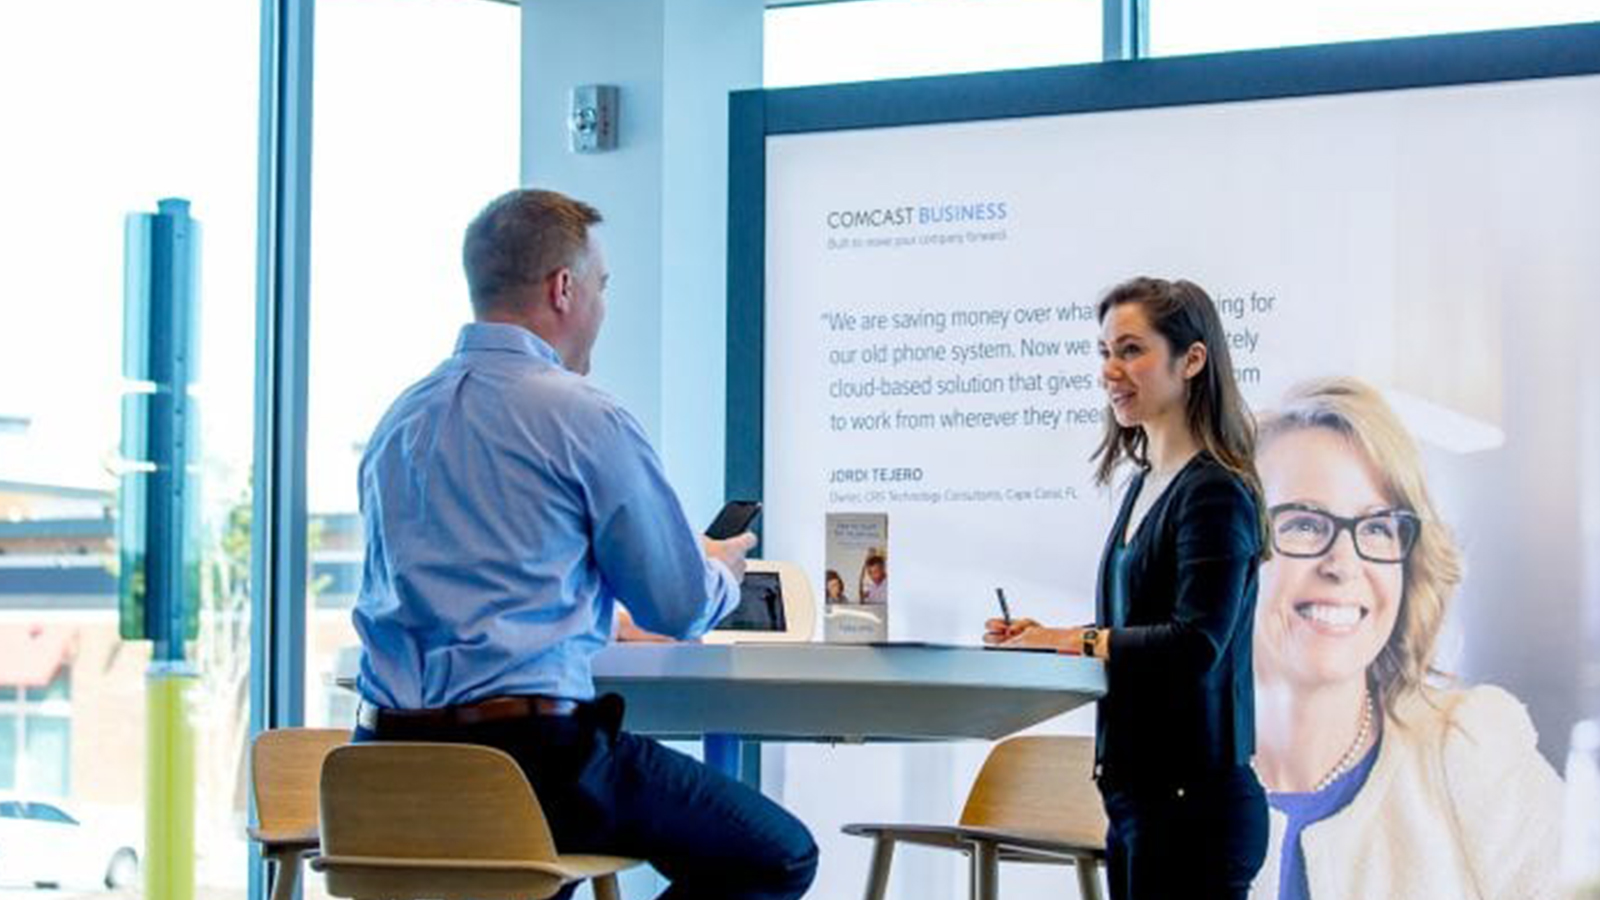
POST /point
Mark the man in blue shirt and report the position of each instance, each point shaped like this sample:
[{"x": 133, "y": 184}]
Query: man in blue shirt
[{"x": 509, "y": 506}]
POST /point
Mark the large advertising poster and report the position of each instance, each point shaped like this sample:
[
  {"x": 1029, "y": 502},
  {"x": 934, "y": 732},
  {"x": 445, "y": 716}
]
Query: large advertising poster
[{"x": 1411, "y": 285}]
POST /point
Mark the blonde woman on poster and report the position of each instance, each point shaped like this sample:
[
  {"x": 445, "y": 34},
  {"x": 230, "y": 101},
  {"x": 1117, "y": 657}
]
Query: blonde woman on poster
[{"x": 1382, "y": 781}]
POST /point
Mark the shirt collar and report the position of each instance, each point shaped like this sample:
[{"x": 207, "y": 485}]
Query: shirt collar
[{"x": 506, "y": 338}]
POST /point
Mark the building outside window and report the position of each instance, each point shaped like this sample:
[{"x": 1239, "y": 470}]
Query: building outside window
[{"x": 36, "y": 719}]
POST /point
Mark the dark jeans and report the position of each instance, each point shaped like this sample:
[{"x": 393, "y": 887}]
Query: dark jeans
[
  {"x": 604, "y": 790},
  {"x": 1208, "y": 841}
]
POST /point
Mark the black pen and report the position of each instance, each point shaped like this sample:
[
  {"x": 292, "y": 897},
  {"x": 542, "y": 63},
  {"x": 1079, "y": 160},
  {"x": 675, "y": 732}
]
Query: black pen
[{"x": 1005, "y": 608}]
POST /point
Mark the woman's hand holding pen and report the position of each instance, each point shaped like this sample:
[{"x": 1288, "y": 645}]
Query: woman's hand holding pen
[
  {"x": 1016, "y": 633},
  {"x": 999, "y": 631},
  {"x": 1022, "y": 634},
  {"x": 1008, "y": 633}
]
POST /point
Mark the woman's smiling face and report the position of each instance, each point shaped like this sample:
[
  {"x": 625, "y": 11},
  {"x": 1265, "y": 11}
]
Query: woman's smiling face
[
  {"x": 1323, "y": 619},
  {"x": 1142, "y": 383}
]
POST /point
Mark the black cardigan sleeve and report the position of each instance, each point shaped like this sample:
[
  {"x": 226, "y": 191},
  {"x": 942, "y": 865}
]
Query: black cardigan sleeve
[{"x": 1214, "y": 534}]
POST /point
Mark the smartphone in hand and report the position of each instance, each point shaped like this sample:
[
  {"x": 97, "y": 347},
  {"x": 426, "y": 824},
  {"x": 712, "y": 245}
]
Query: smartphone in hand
[{"x": 734, "y": 519}]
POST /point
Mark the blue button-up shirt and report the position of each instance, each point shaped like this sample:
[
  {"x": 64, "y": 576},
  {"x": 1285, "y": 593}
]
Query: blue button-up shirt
[{"x": 508, "y": 505}]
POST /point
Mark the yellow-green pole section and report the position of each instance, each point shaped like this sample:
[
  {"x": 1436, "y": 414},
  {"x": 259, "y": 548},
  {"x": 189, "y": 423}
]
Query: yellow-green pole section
[{"x": 169, "y": 784}]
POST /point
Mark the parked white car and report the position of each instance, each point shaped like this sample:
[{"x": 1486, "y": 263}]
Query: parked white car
[{"x": 44, "y": 845}]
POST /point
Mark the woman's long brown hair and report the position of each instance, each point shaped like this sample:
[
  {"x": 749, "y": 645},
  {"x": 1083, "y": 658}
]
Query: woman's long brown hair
[{"x": 1183, "y": 314}]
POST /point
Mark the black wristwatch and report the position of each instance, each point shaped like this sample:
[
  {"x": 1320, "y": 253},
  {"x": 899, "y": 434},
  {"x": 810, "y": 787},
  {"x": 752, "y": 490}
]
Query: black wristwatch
[{"x": 1091, "y": 637}]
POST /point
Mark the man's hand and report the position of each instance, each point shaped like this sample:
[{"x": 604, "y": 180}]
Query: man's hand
[{"x": 731, "y": 551}]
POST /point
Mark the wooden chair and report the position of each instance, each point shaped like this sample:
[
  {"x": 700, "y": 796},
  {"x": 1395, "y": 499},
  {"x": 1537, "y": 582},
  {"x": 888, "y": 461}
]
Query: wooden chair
[
  {"x": 285, "y": 767},
  {"x": 1034, "y": 801},
  {"x": 407, "y": 820}
]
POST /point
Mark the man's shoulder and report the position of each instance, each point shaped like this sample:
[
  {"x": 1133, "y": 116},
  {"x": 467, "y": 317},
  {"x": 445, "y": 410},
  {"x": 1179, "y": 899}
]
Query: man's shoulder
[
  {"x": 533, "y": 393},
  {"x": 545, "y": 390},
  {"x": 414, "y": 397},
  {"x": 566, "y": 409}
]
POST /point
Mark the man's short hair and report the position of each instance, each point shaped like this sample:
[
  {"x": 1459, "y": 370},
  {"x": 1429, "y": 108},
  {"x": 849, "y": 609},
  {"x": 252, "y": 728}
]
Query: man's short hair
[{"x": 521, "y": 238}]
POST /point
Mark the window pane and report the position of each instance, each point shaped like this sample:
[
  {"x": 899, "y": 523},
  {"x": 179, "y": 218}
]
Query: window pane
[
  {"x": 409, "y": 146},
  {"x": 1204, "y": 26},
  {"x": 8, "y": 759},
  {"x": 47, "y": 760},
  {"x": 834, "y": 42},
  {"x": 115, "y": 105}
]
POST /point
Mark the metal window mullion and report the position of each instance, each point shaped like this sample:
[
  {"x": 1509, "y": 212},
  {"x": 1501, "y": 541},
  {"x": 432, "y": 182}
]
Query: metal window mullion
[
  {"x": 1125, "y": 26},
  {"x": 283, "y": 278},
  {"x": 278, "y": 536}
]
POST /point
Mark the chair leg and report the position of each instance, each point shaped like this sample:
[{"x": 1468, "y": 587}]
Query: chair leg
[
  {"x": 605, "y": 887},
  {"x": 1088, "y": 878},
  {"x": 878, "y": 875},
  {"x": 986, "y": 869},
  {"x": 285, "y": 873}
]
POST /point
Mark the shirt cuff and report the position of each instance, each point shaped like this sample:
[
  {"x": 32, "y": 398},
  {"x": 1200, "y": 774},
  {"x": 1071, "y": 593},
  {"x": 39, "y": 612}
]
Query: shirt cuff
[{"x": 729, "y": 589}]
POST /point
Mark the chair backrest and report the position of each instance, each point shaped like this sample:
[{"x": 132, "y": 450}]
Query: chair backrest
[
  {"x": 285, "y": 769},
  {"x": 430, "y": 801},
  {"x": 1039, "y": 785}
]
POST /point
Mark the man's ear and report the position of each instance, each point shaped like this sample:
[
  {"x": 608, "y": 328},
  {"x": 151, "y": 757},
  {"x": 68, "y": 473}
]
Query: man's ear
[
  {"x": 558, "y": 289},
  {"x": 1194, "y": 360}
]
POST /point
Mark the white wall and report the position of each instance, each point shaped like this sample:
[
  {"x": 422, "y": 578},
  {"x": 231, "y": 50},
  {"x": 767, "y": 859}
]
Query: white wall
[{"x": 664, "y": 195}]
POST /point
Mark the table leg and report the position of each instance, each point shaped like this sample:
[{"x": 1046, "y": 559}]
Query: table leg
[
  {"x": 986, "y": 862},
  {"x": 734, "y": 757}
]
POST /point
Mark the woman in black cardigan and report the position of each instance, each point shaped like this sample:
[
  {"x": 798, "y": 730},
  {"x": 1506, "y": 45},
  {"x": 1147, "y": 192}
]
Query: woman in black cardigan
[{"x": 1175, "y": 603}]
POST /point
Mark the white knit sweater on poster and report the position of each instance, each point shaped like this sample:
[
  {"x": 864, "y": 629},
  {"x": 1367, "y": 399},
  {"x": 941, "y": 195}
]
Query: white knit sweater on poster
[{"x": 1459, "y": 804}]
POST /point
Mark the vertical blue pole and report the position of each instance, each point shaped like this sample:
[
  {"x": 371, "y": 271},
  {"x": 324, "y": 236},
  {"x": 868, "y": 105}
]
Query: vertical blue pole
[
  {"x": 160, "y": 514},
  {"x": 172, "y": 556}
]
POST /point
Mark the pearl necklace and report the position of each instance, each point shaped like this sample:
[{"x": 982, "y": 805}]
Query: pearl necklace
[{"x": 1353, "y": 754}]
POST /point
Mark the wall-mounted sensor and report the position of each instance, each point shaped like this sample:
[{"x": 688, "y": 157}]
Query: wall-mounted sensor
[{"x": 592, "y": 124}]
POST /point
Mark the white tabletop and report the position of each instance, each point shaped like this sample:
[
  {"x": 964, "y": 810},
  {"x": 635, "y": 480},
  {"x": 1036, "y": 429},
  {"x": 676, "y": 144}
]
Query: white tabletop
[{"x": 833, "y": 692}]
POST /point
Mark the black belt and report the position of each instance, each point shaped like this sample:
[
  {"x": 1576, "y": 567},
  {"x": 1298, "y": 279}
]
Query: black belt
[{"x": 494, "y": 709}]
